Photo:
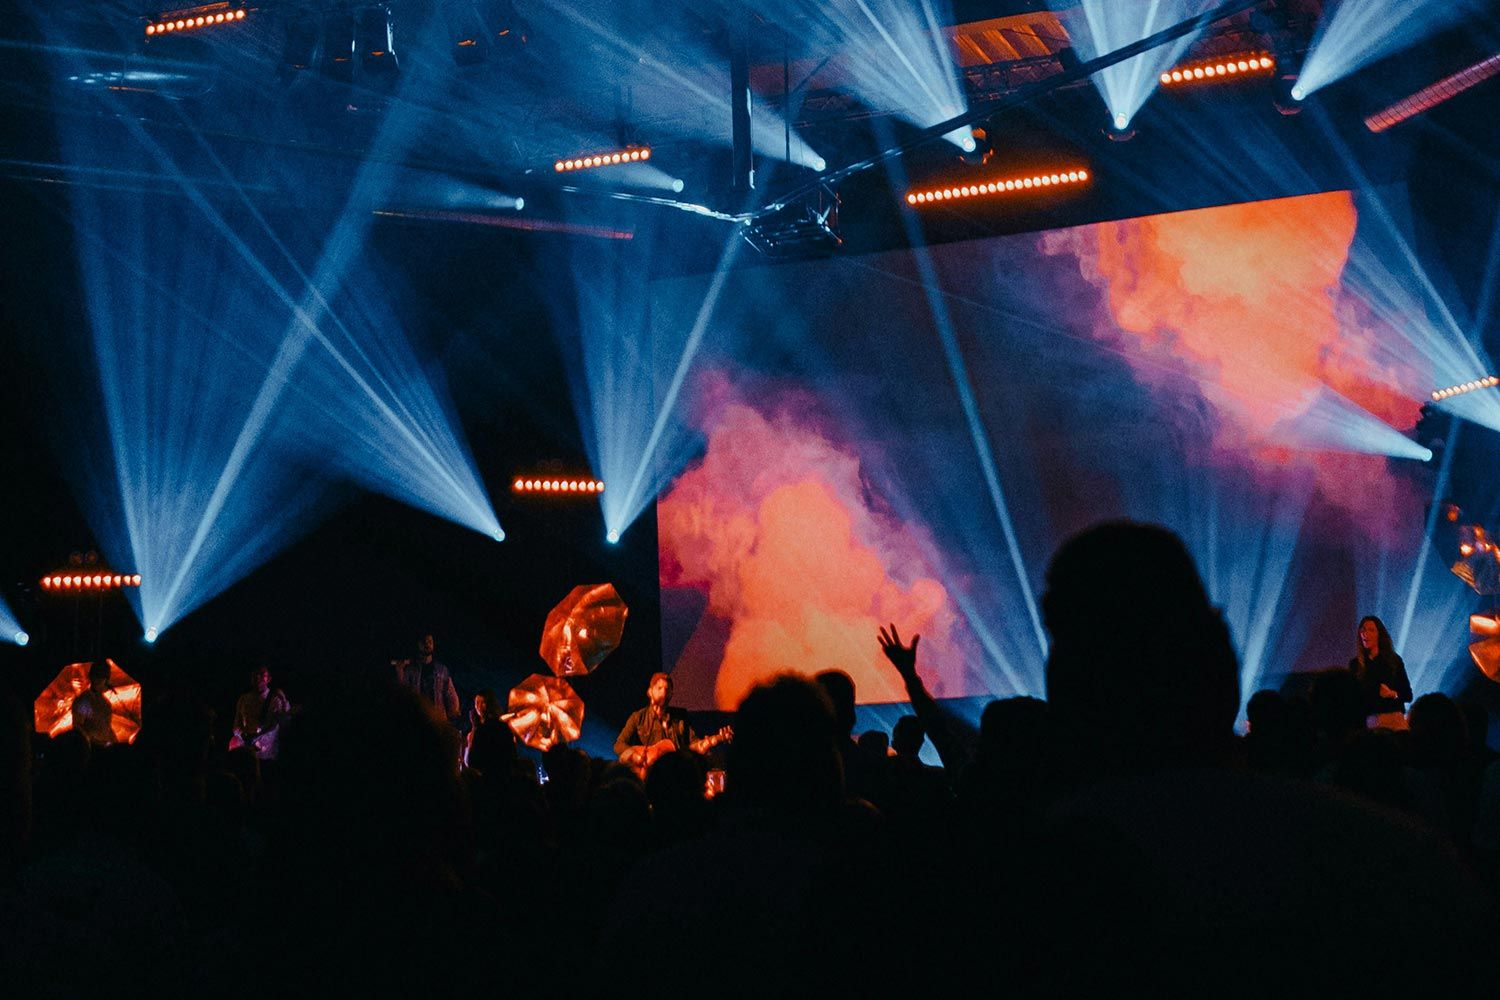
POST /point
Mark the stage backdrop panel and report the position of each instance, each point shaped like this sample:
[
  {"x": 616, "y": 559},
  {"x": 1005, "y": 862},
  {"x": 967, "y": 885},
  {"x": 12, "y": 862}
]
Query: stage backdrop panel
[{"x": 907, "y": 437}]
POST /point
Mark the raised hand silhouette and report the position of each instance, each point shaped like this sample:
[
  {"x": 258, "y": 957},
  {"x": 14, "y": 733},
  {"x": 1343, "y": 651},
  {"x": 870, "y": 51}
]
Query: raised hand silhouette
[{"x": 903, "y": 658}]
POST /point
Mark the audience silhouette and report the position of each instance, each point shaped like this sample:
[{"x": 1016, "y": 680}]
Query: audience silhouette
[{"x": 1114, "y": 838}]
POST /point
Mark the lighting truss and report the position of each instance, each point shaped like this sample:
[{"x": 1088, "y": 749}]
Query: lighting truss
[{"x": 808, "y": 227}]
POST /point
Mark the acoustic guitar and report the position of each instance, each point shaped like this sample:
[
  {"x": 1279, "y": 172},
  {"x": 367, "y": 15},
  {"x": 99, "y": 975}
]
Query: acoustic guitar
[{"x": 651, "y": 754}]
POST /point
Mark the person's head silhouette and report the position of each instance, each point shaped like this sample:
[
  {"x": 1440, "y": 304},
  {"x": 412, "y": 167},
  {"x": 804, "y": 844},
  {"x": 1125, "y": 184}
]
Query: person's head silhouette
[{"x": 1141, "y": 667}]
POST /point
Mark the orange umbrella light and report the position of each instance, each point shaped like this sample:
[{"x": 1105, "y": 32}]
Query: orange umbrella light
[
  {"x": 583, "y": 629},
  {"x": 545, "y": 711},
  {"x": 112, "y": 715},
  {"x": 1486, "y": 653}
]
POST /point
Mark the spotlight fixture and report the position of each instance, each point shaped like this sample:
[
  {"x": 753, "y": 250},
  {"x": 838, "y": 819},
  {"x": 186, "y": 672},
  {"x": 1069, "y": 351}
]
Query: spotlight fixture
[
  {"x": 553, "y": 485},
  {"x": 612, "y": 537},
  {"x": 1488, "y": 382},
  {"x": 1434, "y": 94},
  {"x": 610, "y": 159},
  {"x": 1219, "y": 70},
  {"x": 21, "y": 637},
  {"x": 212, "y": 16},
  {"x": 1011, "y": 185},
  {"x": 151, "y": 634},
  {"x": 978, "y": 148},
  {"x": 90, "y": 581}
]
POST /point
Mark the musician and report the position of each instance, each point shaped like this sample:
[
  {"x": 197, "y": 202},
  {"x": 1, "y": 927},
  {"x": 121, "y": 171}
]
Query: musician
[
  {"x": 258, "y": 715},
  {"x": 490, "y": 741},
  {"x": 93, "y": 713},
  {"x": 1382, "y": 674},
  {"x": 430, "y": 679},
  {"x": 648, "y": 730}
]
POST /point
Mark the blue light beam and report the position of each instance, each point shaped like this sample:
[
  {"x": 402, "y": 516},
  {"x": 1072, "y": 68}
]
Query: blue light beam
[
  {"x": 1355, "y": 33},
  {"x": 1108, "y": 25},
  {"x": 1325, "y": 420},
  {"x": 655, "y": 466},
  {"x": 675, "y": 77},
  {"x": 1021, "y": 680},
  {"x": 10, "y": 629},
  {"x": 198, "y": 434},
  {"x": 897, "y": 56}
]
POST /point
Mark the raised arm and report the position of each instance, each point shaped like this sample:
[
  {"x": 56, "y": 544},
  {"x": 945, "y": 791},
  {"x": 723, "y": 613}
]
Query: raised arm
[{"x": 938, "y": 723}]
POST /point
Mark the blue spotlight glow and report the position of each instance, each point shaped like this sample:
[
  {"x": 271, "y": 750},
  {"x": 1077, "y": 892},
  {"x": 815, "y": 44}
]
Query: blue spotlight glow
[
  {"x": 675, "y": 76},
  {"x": 653, "y": 469},
  {"x": 628, "y": 376},
  {"x": 1326, "y": 420},
  {"x": 612, "y": 537},
  {"x": 224, "y": 363},
  {"x": 896, "y": 56},
  {"x": 429, "y": 189},
  {"x": 1355, "y": 33},
  {"x": 151, "y": 633},
  {"x": 1247, "y": 554},
  {"x": 1418, "y": 320},
  {"x": 1099, "y": 27},
  {"x": 378, "y": 413},
  {"x": 10, "y": 628},
  {"x": 1428, "y": 649},
  {"x": 640, "y": 175},
  {"x": 1023, "y": 678}
]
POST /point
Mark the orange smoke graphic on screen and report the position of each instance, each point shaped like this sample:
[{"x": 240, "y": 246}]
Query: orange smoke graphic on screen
[
  {"x": 775, "y": 526},
  {"x": 1246, "y": 301}
]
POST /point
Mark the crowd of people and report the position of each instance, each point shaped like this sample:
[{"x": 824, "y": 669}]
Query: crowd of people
[{"x": 1116, "y": 837}]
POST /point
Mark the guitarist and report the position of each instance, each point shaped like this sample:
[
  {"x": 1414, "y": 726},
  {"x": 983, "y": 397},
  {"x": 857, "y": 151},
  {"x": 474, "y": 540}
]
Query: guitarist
[
  {"x": 258, "y": 715},
  {"x": 659, "y": 729}
]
